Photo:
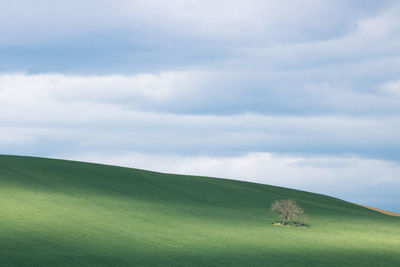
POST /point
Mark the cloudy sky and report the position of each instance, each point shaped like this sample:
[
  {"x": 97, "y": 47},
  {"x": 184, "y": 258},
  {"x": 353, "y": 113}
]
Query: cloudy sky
[{"x": 302, "y": 94}]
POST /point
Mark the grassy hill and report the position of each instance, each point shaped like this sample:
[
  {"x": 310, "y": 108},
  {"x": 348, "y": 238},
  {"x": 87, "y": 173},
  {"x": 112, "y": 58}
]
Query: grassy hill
[{"x": 64, "y": 213}]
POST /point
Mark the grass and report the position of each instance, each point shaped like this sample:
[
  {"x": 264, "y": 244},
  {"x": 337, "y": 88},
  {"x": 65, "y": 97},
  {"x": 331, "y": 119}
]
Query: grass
[{"x": 64, "y": 213}]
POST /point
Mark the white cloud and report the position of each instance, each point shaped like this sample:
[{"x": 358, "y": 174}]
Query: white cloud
[
  {"x": 197, "y": 92},
  {"x": 371, "y": 39},
  {"x": 156, "y": 87},
  {"x": 120, "y": 112},
  {"x": 14, "y": 137},
  {"x": 56, "y": 97},
  {"x": 51, "y": 21},
  {"x": 391, "y": 88},
  {"x": 384, "y": 25},
  {"x": 225, "y": 19}
]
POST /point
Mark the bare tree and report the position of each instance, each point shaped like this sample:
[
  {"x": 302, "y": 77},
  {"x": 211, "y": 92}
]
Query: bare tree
[{"x": 288, "y": 212}]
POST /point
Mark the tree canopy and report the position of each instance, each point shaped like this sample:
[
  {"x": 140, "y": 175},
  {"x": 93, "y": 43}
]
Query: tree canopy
[{"x": 289, "y": 213}]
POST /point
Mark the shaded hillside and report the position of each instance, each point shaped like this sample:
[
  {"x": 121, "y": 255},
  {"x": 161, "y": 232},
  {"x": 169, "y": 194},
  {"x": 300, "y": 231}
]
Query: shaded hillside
[{"x": 65, "y": 213}]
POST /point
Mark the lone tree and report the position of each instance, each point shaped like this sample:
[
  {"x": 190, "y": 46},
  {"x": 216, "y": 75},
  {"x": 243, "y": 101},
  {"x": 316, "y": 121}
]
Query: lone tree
[{"x": 288, "y": 212}]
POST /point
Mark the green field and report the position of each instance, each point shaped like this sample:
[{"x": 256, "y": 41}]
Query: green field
[{"x": 64, "y": 213}]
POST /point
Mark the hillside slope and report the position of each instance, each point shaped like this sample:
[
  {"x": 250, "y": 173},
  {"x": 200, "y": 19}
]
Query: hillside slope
[{"x": 64, "y": 213}]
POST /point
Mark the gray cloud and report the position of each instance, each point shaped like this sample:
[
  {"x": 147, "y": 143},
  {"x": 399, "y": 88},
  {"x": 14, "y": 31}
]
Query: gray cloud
[
  {"x": 49, "y": 21},
  {"x": 135, "y": 36},
  {"x": 112, "y": 112}
]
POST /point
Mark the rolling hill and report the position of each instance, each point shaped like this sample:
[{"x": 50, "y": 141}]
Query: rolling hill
[{"x": 65, "y": 213}]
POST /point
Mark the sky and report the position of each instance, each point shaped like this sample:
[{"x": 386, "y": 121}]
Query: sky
[{"x": 302, "y": 94}]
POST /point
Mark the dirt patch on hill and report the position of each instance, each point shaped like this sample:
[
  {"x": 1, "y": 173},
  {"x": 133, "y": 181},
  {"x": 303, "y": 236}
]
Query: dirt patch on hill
[{"x": 381, "y": 211}]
